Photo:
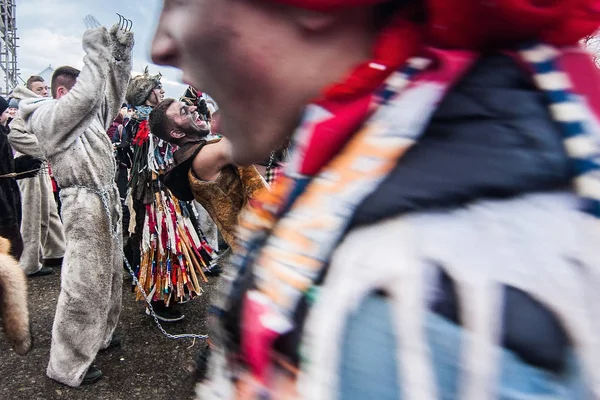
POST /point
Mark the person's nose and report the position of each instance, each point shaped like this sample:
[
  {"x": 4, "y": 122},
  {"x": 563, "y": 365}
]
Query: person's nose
[
  {"x": 163, "y": 50},
  {"x": 193, "y": 108}
]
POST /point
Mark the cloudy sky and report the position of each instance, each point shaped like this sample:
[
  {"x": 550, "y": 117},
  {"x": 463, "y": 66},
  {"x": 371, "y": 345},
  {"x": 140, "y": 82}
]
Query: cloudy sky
[{"x": 50, "y": 33}]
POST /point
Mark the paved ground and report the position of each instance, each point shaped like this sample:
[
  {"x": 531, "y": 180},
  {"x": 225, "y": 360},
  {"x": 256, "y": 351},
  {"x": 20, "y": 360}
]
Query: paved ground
[{"x": 147, "y": 366}]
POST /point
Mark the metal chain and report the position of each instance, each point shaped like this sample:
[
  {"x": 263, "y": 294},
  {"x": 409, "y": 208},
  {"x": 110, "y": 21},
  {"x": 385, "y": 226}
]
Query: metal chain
[
  {"x": 153, "y": 314},
  {"x": 103, "y": 194}
]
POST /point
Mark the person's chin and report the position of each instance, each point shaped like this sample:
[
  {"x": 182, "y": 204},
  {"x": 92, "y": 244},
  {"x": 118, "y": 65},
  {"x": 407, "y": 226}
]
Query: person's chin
[
  {"x": 244, "y": 156},
  {"x": 241, "y": 159}
]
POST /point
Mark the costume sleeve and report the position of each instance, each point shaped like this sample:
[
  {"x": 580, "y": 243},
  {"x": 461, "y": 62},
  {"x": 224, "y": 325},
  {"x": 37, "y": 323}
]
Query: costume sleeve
[
  {"x": 23, "y": 141},
  {"x": 118, "y": 75},
  {"x": 218, "y": 204},
  {"x": 59, "y": 123}
]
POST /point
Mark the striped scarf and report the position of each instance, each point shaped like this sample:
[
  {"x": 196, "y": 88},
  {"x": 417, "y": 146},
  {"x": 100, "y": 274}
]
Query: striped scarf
[
  {"x": 573, "y": 117},
  {"x": 289, "y": 234}
]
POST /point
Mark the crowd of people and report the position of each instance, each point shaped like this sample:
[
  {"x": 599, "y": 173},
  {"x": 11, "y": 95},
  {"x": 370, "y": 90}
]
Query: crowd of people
[
  {"x": 410, "y": 188},
  {"x": 115, "y": 209}
]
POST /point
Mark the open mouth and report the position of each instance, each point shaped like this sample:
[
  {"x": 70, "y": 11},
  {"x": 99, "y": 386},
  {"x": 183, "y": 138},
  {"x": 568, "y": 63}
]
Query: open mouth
[{"x": 201, "y": 123}]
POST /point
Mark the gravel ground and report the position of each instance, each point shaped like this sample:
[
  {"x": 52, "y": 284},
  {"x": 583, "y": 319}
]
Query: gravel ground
[{"x": 147, "y": 366}]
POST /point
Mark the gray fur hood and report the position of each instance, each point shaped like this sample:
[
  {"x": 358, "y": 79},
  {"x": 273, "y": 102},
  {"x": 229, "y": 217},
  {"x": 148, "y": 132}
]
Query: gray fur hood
[{"x": 21, "y": 93}]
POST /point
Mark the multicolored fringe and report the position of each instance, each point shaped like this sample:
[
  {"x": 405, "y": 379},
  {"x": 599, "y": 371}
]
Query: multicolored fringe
[{"x": 174, "y": 254}]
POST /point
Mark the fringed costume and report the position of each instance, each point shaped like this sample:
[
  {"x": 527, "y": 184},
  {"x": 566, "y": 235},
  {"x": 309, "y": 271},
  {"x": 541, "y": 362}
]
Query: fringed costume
[{"x": 174, "y": 255}]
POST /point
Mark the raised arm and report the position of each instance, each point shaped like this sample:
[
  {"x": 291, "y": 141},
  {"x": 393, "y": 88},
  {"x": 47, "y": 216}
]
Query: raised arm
[
  {"x": 212, "y": 159},
  {"x": 58, "y": 123},
  {"x": 118, "y": 75}
]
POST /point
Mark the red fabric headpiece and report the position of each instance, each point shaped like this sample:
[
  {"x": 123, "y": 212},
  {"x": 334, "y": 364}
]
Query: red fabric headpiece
[
  {"x": 463, "y": 25},
  {"x": 474, "y": 24}
]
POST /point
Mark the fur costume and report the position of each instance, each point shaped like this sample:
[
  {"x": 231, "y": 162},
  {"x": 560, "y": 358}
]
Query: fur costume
[
  {"x": 226, "y": 197},
  {"x": 140, "y": 87},
  {"x": 72, "y": 134},
  {"x": 41, "y": 227},
  {"x": 13, "y": 301},
  {"x": 223, "y": 199}
]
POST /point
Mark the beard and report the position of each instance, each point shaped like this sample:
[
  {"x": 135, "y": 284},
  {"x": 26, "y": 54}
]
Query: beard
[{"x": 195, "y": 131}]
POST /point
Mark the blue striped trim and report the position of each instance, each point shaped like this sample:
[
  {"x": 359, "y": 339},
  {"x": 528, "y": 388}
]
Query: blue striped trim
[
  {"x": 584, "y": 166},
  {"x": 591, "y": 206},
  {"x": 581, "y": 167},
  {"x": 544, "y": 67},
  {"x": 558, "y": 96},
  {"x": 388, "y": 92},
  {"x": 572, "y": 129}
]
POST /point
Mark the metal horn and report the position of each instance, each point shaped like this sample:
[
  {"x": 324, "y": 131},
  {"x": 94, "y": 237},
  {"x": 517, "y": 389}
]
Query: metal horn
[
  {"x": 125, "y": 24},
  {"x": 121, "y": 21}
]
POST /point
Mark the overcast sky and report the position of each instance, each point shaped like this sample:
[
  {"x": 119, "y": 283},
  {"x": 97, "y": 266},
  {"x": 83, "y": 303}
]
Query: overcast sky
[{"x": 50, "y": 33}]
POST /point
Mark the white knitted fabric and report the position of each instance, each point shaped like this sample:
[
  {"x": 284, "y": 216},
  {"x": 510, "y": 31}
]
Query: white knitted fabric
[{"x": 537, "y": 243}]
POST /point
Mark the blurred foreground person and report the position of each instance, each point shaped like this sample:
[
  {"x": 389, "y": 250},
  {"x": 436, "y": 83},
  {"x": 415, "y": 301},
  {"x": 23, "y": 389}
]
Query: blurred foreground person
[
  {"x": 71, "y": 129},
  {"x": 435, "y": 233}
]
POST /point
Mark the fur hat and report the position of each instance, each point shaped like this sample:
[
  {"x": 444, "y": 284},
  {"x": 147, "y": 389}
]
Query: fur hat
[{"x": 140, "y": 88}]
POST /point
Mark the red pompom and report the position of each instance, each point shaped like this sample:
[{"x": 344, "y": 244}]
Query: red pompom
[{"x": 142, "y": 134}]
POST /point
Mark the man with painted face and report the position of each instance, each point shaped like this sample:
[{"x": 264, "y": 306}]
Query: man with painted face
[
  {"x": 442, "y": 190},
  {"x": 204, "y": 168},
  {"x": 166, "y": 264}
]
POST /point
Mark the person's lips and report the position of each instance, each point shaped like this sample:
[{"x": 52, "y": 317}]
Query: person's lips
[{"x": 200, "y": 123}]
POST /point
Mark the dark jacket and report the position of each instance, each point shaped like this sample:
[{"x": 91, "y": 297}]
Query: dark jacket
[
  {"x": 492, "y": 137},
  {"x": 10, "y": 197},
  {"x": 119, "y": 136}
]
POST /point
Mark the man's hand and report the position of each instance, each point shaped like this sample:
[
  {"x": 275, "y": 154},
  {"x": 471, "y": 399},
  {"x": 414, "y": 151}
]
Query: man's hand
[
  {"x": 122, "y": 43},
  {"x": 97, "y": 39}
]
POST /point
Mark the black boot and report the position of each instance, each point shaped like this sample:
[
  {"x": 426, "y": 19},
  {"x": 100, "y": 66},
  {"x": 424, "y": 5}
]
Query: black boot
[
  {"x": 42, "y": 272},
  {"x": 92, "y": 375},
  {"x": 164, "y": 313},
  {"x": 214, "y": 270},
  {"x": 53, "y": 262},
  {"x": 114, "y": 343}
]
